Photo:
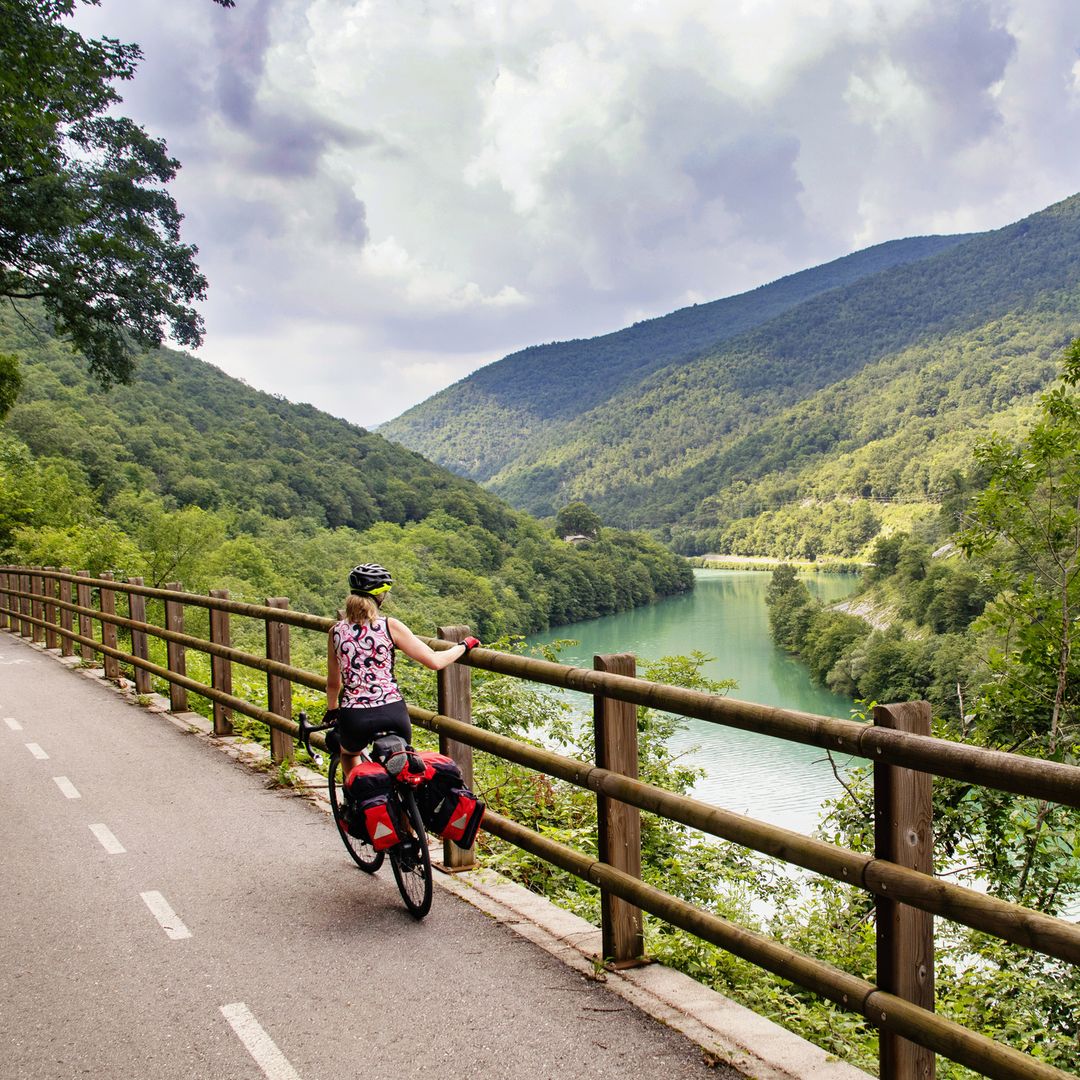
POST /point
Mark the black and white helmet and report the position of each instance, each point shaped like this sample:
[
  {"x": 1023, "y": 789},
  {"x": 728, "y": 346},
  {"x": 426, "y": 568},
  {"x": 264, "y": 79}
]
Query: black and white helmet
[{"x": 370, "y": 579}]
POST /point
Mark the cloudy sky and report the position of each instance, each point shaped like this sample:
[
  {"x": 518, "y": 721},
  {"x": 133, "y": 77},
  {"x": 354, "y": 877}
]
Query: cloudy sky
[{"x": 388, "y": 194}]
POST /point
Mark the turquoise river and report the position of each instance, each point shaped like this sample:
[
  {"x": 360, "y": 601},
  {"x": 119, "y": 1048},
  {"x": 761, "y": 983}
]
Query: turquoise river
[{"x": 725, "y": 617}]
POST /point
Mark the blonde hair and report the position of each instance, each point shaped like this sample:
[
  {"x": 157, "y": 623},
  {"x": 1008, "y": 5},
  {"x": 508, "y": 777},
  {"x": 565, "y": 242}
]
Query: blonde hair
[{"x": 361, "y": 610}]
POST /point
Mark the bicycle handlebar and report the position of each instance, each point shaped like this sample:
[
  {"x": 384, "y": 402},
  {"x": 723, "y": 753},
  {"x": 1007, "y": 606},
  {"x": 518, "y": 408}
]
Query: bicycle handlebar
[{"x": 307, "y": 730}]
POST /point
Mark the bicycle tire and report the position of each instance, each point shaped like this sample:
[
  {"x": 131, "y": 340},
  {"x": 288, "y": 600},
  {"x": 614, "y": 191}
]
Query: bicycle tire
[
  {"x": 411, "y": 861},
  {"x": 363, "y": 854}
]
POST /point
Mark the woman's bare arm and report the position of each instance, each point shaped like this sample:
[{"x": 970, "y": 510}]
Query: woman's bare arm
[{"x": 413, "y": 647}]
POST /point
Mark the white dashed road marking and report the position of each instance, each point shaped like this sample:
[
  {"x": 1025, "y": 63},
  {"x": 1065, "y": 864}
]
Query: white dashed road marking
[
  {"x": 259, "y": 1045},
  {"x": 12, "y": 723},
  {"x": 67, "y": 787},
  {"x": 37, "y": 751},
  {"x": 108, "y": 841},
  {"x": 169, "y": 920}
]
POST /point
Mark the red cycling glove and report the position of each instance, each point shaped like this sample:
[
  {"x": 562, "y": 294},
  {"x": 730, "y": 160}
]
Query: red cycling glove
[{"x": 470, "y": 643}]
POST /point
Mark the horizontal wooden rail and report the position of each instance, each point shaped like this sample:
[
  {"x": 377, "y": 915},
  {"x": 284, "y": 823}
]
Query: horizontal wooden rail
[
  {"x": 238, "y": 656},
  {"x": 850, "y": 993},
  {"x": 235, "y": 607},
  {"x": 1020, "y": 775},
  {"x": 1020, "y": 925}
]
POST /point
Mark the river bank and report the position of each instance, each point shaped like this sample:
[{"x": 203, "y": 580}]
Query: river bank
[{"x": 714, "y": 561}]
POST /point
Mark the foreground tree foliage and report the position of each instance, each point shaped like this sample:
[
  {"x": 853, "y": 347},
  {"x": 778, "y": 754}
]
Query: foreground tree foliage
[
  {"x": 984, "y": 626},
  {"x": 86, "y": 224}
]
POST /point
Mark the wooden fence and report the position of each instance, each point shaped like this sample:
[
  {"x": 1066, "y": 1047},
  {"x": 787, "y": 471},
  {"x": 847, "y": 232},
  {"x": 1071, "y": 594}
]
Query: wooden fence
[{"x": 43, "y": 603}]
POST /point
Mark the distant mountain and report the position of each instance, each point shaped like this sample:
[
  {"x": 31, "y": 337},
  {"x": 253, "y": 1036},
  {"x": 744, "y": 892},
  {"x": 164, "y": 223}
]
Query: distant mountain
[
  {"x": 497, "y": 415},
  {"x": 871, "y": 389}
]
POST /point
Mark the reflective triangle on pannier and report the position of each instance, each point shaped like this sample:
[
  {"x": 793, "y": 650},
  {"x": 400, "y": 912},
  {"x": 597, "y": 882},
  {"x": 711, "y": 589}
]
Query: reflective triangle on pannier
[{"x": 380, "y": 822}]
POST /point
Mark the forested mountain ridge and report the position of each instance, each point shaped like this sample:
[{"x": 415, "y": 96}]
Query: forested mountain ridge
[
  {"x": 806, "y": 406},
  {"x": 188, "y": 474},
  {"x": 186, "y": 430},
  {"x": 530, "y": 394}
]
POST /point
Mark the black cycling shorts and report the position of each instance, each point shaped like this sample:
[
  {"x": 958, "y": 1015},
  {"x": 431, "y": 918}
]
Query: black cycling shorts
[{"x": 357, "y": 727}]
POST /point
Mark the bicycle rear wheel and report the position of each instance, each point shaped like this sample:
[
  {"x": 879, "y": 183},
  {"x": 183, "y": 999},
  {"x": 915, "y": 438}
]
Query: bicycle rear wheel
[
  {"x": 411, "y": 861},
  {"x": 364, "y": 855}
]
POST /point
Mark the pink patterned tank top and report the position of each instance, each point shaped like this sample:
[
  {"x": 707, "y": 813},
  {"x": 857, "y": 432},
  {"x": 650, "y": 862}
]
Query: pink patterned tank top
[{"x": 365, "y": 655}]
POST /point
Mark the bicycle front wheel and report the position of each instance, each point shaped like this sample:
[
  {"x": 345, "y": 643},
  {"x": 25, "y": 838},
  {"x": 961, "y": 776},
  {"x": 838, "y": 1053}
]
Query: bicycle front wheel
[
  {"x": 364, "y": 855},
  {"x": 411, "y": 861}
]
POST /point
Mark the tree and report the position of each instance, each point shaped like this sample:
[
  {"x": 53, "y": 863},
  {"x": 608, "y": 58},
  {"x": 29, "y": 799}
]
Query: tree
[
  {"x": 791, "y": 607},
  {"x": 577, "y": 519},
  {"x": 1026, "y": 525},
  {"x": 86, "y": 225},
  {"x": 1027, "y": 521}
]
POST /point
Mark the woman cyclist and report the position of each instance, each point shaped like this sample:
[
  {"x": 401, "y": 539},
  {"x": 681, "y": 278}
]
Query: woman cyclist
[{"x": 360, "y": 665}]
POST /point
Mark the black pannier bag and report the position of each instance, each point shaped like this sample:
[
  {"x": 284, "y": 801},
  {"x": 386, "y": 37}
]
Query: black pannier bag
[
  {"x": 371, "y": 813},
  {"x": 399, "y": 759},
  {"x": 447, "y": 806}
]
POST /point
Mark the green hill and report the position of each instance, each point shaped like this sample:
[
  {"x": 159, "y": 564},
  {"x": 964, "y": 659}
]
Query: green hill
[
  {"x": 190, "y": 474},
  {"x": 501, "y": 412},
  {"x": 789, "y": 439}
]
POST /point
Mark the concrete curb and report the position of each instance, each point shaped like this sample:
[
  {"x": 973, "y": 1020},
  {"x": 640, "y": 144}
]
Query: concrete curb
[{"x": 727, "y": 1033}]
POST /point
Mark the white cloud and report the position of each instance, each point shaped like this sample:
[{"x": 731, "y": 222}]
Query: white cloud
[{"x": 391, "y": 190}]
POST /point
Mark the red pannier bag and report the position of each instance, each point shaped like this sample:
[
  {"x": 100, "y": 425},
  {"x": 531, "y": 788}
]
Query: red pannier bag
[
  {"x": 379, "y": 817},
  {"x": 371, "y": 813},
  {"x": 447, "y": 806}
]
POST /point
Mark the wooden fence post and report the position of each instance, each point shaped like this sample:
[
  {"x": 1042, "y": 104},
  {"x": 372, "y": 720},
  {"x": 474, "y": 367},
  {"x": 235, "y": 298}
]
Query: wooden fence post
[
  {"x": 24, "y": 605},
  {"x": 86, "y": 624},
  {"x": 220, "y": 668},
  {"x": 278, "y": 688},
  {"x": 11, "y": 582},
  {"x": 52, "y": 639},
  {"x": 4, "y": 598},
  {"x": 618, "y": 825},
  {"x": 903, "y": 820},
  {"x": 140, "y": 645},
  {"x": 177, "y": 654},
  {"x": 67, "y": 619},
  {"x": 37, "y": 606},
  {"x": 455, "y": 700},
  {"x": 11, "y": 602},
  {"x": 14, "y": 584},
  {"x": 108, "y": 629}
]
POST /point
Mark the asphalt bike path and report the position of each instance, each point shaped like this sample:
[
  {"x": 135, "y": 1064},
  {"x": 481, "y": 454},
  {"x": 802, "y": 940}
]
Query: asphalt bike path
[{"x": 167, "y": 914}]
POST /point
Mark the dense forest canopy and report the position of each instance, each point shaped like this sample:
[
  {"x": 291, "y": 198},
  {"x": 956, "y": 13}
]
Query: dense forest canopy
[
  {"x": 190, "y": 475},
  {"x": 799, "y": 436}
]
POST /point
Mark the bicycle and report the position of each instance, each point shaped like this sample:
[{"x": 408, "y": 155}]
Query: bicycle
[{"x": 410, "y": 858}]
